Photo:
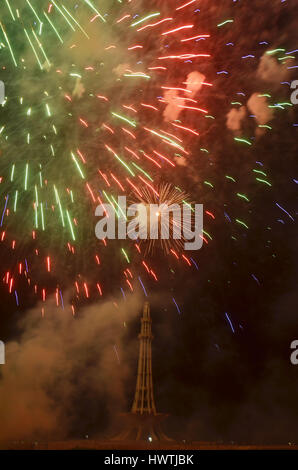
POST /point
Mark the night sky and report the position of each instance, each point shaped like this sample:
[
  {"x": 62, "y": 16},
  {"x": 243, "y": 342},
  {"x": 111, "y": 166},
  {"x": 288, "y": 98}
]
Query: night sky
[{"x": 222, "y": 327}]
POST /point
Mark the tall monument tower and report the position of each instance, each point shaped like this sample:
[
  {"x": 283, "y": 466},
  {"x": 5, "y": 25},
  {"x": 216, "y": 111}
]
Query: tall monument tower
[
  {"x": 144, "y": 399},
  {"x": 143, "y": 422}
]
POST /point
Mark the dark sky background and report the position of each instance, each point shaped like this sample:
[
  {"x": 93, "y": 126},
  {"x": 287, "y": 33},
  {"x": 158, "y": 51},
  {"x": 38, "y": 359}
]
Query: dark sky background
[{"x": 70, "y": 377}]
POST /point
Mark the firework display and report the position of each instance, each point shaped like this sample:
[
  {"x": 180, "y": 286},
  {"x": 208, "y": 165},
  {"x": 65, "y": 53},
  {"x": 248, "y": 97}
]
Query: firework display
[
  {"x": 113, "y": 98},
  {"x": 148, "y": 171}
]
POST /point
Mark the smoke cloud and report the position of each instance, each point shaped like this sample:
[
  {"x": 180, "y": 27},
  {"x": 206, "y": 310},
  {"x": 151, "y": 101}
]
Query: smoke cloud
[
  {"x": 258, "y": 105},
  {"x": 175, "y": 103},
  {"x": 61, "y": 360},
  {"x": 270, "y": 71},
  {"x": 235, "y": 118}
]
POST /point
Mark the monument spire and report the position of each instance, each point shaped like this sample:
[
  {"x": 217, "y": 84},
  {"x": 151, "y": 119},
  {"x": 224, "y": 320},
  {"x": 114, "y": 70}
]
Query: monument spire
[
  {"x": 143, "y": 422},
  {"x": 144, "y": 398}
]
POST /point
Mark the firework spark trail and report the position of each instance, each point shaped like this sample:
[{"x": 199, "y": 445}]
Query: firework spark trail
[{"x": 168, "y": 223}]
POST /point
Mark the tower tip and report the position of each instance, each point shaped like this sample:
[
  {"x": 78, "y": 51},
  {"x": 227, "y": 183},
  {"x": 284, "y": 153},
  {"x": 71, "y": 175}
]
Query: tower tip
[{"x": 146, "y": 310}]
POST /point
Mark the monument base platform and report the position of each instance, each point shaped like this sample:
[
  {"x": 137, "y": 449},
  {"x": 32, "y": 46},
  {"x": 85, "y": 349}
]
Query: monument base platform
[{"x": 142, "y": 427}]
